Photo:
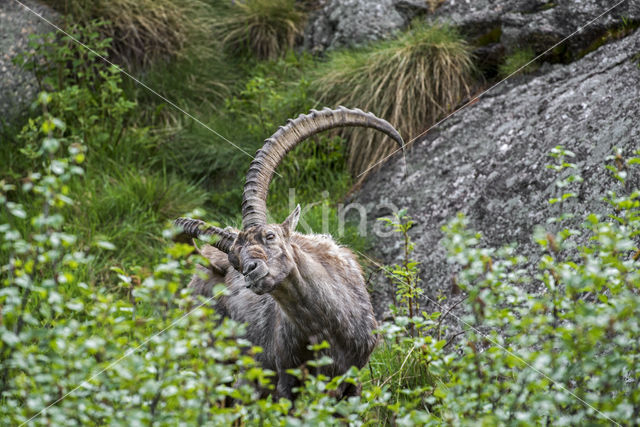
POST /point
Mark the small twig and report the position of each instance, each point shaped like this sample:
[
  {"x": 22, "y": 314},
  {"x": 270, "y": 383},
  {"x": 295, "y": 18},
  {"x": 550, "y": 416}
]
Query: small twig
[
  {"x": 452, "y": 338},
  {"x": 448, "y": 311}
]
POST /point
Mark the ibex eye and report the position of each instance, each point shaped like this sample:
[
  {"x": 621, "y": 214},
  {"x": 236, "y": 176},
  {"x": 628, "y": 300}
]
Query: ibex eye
[{"x": 271, "y": 236}]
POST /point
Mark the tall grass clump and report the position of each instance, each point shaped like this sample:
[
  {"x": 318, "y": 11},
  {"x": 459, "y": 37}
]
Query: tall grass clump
[
  {"x": 143, "y": 31},
  {"x": 410, "y": 81},
  {"x": 263, "y": 28}
]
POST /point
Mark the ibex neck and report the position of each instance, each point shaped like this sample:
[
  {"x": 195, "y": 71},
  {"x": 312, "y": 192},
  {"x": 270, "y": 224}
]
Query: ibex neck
[{"x": 295, "y": 296}]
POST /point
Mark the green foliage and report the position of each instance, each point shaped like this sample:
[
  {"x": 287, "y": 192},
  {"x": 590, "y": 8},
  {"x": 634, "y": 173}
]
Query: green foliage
[
  {"x": 566, "y": 355},
  {"x": 258, "y": 105},
  {"x": 122, "y": 196},
  {"x": 61, "y": 338},
  {"x": 516, "y": 60},
  {"x": 266, "y": 29},
  {"x": 411, "y": 81},
  {"x": 405, "y": 276}
]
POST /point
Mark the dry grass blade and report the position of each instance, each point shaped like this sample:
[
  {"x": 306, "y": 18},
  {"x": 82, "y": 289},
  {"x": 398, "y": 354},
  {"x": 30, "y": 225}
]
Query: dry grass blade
[
  {"x": 411, "y": 81},
  {"x": 265, "y": 28}
]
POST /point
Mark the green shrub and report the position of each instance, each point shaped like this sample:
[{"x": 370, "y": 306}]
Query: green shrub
[
  {"x": 411, "y": 81},
  {"x": 61, "y": 338},
  {"x": 516, "y": 60},
  {"x": 564, "y": 356},
  {"x": 405, "y": 276},
  {"x": 265, "y": 28}
]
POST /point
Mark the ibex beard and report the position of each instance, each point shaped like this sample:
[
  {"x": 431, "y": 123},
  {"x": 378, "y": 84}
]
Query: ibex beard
[{"x": 292, "y": 290}]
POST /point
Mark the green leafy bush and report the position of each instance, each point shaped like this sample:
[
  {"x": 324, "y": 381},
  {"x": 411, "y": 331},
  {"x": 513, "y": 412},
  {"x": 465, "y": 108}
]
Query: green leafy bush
[
  {"x": 411, "y": 81},
  {"x": 171, "y": 41},
  {"x": 405, "y": 276},
  {"x": 564, "y": 356},
  {"x": 61, "y": 338}
]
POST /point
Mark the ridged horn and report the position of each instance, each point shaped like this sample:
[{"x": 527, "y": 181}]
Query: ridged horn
[
  {"x": 254, "y": 199},
  {"x": 195, "y": 228}
]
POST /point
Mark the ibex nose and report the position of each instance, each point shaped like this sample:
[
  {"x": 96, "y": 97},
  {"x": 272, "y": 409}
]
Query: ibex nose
[{"x": 249, "y": 267}]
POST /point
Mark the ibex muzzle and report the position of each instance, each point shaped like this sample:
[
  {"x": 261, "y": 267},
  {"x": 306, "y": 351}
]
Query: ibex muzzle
[{"x": 292, "y": 290}]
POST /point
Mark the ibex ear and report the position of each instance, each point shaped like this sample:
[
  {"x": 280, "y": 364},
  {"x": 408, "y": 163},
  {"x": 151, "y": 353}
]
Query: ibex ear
[{"x": 289, "y": 225}]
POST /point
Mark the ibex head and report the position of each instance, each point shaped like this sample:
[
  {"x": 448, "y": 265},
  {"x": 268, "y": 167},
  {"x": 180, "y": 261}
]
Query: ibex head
[{"x": 261, "y": 251}]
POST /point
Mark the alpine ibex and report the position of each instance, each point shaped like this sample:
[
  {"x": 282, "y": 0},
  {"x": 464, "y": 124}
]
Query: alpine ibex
[{"x": 291, "y": 289}]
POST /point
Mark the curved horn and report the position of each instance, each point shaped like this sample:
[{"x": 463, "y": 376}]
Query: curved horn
[
  {"x": 195, "y": 228},
  {"x": 254, "y": 199}
]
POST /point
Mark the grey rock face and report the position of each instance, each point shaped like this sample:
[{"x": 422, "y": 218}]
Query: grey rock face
[
  {"x": 488, "y": 161},
  {"x": 523, "y": 18},
  {"x": 351, "y": 22},
  {"x": 533, "y": 23},
  {"x": 17, "y": 87}
]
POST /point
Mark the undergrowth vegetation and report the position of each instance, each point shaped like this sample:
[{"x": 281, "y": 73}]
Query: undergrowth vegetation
[
  {"x": 93, "y": 305},
  {"x": 411, "y": 81}
]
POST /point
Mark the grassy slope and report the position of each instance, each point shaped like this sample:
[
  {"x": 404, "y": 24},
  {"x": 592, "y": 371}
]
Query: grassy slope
[{"x": 159, "y": 164}]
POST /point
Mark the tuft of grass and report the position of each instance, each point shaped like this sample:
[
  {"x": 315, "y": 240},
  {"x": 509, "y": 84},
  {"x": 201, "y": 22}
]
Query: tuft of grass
[
  {"x": 517, "y": 59},
  {"x": 411, "y": 81},
  {"x": 266, "y": 29},
  {"x": 393, "y": 366},
  {"x": 142, "y": 31},
  {"x": 130, "y": 209}
]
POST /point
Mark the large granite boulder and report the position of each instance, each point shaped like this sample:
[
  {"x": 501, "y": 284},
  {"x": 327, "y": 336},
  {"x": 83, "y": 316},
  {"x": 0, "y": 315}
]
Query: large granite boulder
[
  {"x": 540, "y": 23},
  {"x": 18, "y": 87},
  {"x": 351, "y": 22},
  {"x": 511, "y": 23},
  {"x": 488, "y": 161}
]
